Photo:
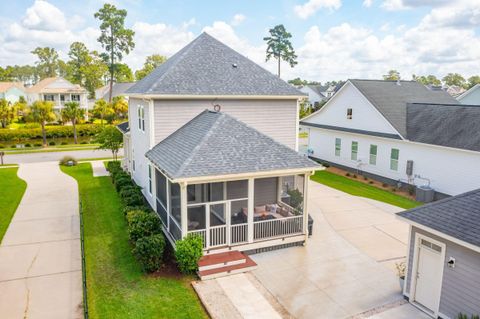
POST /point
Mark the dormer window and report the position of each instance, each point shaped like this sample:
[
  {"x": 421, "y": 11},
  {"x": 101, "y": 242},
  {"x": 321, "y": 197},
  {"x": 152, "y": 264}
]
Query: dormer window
[{"x": 349, "y": 114}]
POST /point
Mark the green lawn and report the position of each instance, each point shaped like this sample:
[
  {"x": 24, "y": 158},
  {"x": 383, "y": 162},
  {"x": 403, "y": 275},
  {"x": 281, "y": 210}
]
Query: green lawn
[
  {"x": 11, "y": 192},
  {"x": 361, "y": 189},
  {"x": 117, "y": 288}
]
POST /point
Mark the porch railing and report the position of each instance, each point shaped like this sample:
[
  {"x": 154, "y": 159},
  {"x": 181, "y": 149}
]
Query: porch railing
[
  {"x": 277, "y": 227},
  {"x": 239, "y": 233},
  {"x": 202, "y": 233},
  {"x": 218, "y": 236}
]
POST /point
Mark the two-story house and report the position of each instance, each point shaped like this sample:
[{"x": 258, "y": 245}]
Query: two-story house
[
  {"x": 399, "y": 132},
  {"x": 12, "y": 91},
  {"x": 59, "y": 91},
  {"x": 212, "y": 140}
]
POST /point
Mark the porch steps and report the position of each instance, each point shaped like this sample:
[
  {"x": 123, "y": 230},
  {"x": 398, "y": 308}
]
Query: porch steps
[{"x": 224, "y": 264}]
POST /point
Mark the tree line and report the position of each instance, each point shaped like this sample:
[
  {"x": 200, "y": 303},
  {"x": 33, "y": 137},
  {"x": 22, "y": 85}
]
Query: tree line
[
  {"x": 89, "y": 68},
  {"x": 451, "y": 79}
]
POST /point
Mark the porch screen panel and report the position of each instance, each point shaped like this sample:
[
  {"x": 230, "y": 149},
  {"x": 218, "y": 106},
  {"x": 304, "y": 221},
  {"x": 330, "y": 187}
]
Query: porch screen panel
[
  {"x": 237, "y": 189},
  {"x": 292, "y": 193},
  {"x": 161, "y": 188},
  {"x": 265, "y": 191},
  {"x": 196, "y": 217},
  {"x": 175, "y": 202}
]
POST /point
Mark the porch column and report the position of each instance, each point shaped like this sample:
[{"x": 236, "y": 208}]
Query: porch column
[
  {"x": 251, "y": 194},
  {"x": 183, "y": 209},
  {"x": 305, "y": 205}
]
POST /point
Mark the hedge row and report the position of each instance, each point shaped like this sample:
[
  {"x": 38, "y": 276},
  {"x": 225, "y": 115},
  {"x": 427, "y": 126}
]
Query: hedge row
[
  {"x": 51, "y": 132},
  {"x": 144, "y": 228}
]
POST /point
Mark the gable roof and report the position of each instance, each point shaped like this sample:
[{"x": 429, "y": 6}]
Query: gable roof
[
  {"x": 208, "y": 67},
  {"x": 118, "y": 89},
  {"x": 457, "y": 216},
  {"x": 124, "y": 127},
  {"x": 56, "y": 85},
  {"x": 391, "y": 98},
  {"x": 5, "y": 86},
  {"x": 214, "y": 144},
  {"x": 446, "y": 125},
  {"x": 468, "y": 92}
]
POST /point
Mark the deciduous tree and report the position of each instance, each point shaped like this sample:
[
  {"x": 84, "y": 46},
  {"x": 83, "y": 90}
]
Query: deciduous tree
[
  {"x": 47, "y": 63},
  {"x": 151, "y": 63},
  {"x": 392, "y": 75},
  {"x": 7, "y": 113},
  {"x": 110, "y": 139},
  {"x": 454, "y": 79},
  {"x": 101, "y": 109},
  {"x": 114, "y": 38},
  {"x": 279, "y": 46}
]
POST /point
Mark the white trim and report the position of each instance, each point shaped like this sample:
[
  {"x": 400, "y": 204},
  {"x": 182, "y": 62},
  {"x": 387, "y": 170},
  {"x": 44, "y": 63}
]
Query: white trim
[
  {"x": 468, "y": 92},
  {"x": 212, "y": 97},
  {"x": 297, "y": 125},
  {"x": 151, "y": 124},
  {"x": 440, "y": 234},
  {"x": 183, "y": 209},
  {"x": 413, "y": 279},
  {"x": 407, "y": 261}
]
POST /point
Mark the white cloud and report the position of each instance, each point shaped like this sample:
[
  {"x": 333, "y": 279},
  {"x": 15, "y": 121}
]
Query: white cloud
[
  {"x": 394, "y": 5},
  {"x": 238, "y": 19},
  {"x": 45, "y": 17},
  {"x": 367, "y": 3},
  {"x": 312, "y": 6}
]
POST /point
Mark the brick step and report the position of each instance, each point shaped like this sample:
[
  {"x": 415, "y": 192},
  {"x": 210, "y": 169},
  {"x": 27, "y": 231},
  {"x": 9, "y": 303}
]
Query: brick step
[
  {"x": 248, "y": 265},
  {"x": 214, "y": 261}
]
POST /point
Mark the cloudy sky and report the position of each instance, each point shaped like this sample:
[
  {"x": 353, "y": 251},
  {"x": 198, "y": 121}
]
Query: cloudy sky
[{"x": 334, "y": 39}]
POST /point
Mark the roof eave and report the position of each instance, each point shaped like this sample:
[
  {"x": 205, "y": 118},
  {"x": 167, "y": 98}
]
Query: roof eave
[{"x": 209, "y": 97}]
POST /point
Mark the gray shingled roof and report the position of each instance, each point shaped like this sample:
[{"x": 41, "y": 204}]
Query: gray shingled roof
[
  {"x": 123, "y": 127},
  {"x": 391, "y": 99},
  {"x": 208, "y": 67},
  {"x": 446, "y": 125},
  {"x": 457, "y": 216},
  {"x": 214, "y": 144}
]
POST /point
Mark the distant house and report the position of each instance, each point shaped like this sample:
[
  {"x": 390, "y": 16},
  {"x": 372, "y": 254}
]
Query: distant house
[
  {"x": 315, "y": 95},
  {"x": 118, "y": 89},
  {"x": 470, "y": 97},
  {"x": 12, "y": 91},
  {"x": 59, "y": 91},
  {"x": 454, "y": 90},
  {"x": 443, "y": 258},
  {"x": 399, "y": 132},
  {"x": 212, "y": 142}
]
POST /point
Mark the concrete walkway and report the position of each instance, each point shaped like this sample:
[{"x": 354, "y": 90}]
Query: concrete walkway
[
  {"x": 99, "y": 169},
  {"x": 56, "y": 156},
  {"x": 40, "y": 258},
  {"x": 347, "y": 266}
]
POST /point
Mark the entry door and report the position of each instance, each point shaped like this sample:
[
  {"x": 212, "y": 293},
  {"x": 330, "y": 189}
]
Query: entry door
[{"x": 429, "y": 275}]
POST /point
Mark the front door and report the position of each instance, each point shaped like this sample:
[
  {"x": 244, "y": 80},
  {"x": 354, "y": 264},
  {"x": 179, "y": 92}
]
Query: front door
[{"x": 429, "y": 275}]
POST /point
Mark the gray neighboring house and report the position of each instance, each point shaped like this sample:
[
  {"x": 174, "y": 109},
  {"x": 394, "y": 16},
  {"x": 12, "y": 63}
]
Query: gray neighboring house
[
  {"x": 213, "y": 144},
  {"x": 443, "y": 263}
]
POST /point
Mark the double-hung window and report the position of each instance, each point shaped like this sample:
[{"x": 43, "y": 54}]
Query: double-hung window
[
  {"x": 141, "y": 118},
  {"x": 75, "y": 97},
  {"x": 354, "y": 151},
  {"x": 338, "y": 146},
  {"x": 394, "y": 156},
  {"x": 373, "y": 155}
]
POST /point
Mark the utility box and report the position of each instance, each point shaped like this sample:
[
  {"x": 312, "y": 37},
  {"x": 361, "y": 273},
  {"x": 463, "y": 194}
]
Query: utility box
[{"x": 425, "y": 194}]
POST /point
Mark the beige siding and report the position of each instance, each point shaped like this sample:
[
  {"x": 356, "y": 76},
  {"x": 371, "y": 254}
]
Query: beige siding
[{"x": 275, "y": 118}]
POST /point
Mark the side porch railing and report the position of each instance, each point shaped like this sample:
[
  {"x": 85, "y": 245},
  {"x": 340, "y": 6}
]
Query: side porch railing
[{"x": 272, "y": 228}]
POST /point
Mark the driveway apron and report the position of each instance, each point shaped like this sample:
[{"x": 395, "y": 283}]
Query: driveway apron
[{"x": 40, "y": 256}]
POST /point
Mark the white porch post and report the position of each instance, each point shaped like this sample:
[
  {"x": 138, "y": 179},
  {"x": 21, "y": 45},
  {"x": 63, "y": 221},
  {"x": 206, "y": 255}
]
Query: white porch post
[
  {"x": 251, "y": 194},
  {"x": 305, "y": 205},
  {"x": 183, "y": 209}
]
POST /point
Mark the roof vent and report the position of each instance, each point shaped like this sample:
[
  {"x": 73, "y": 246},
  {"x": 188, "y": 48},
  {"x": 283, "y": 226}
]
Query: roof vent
[
  {"x": 217, "y": 107},
  {"x": 234, "y": 65},
  {"x": 398, "y": 82}
]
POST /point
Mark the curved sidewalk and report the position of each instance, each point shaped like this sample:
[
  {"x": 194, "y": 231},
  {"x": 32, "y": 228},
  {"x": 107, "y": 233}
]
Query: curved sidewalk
[{"x": 40, "y": 258}]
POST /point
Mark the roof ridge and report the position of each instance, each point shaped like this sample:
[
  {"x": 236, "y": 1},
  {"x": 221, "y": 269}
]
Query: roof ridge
[
  {"x": 444, "y": 104},
  {"x": 202, "y": 141},
  {"x": 176, "y": 59}
]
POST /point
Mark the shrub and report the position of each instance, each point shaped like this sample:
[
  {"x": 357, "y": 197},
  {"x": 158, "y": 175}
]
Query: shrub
[
  {"x": 365, "y": 178},
  {"x": 2, "y": 146},
  {"x": 354, "y": 175},
  {"x": 83, "y": 142},
  {"x": 66, "y": 160},
  {"x": 347, "y": 174},
  {"x": 124, "y": 183},
  {"x": 384, "y": 185},
  {"x": 113, "y": 165},
  {"x": 411, "y": 189},
  {"x": 64, "y": 143},
  {"x": 128, "y": 209},
  {"x": 394, "y": 189},
  {"x": 129, "y": 190},
  {"x": 142, "y": 224},
  {"x": 370, "y": 182},
  {"x": 13, "y": 146},
  {"x": 134, "y": 199},
  {"x": 51, "y": 143},
  {"x": 28, "y": 145},
  {"x": 149, "y": 252},
  {"x": 464, "y": 316},
  {"x": 37, "y": 144},
  {"x": 188, "y": 252}
]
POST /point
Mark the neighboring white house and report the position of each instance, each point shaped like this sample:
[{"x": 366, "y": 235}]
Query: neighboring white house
[
  {"x": 399, "y": 132},
  {"x": 212, "y": 141},
  {"x": 470, "y": 97},
  {"x": 59, "y": 91},
  {"x": 443, "y": 256},
  {"x": 314, "y": 92},
  {"x": 12, "y": 91}
]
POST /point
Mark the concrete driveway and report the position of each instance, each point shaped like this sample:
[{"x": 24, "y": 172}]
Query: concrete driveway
[
  {"x": 347, "y": 267},
  {"x": 40, "y": 259}
]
